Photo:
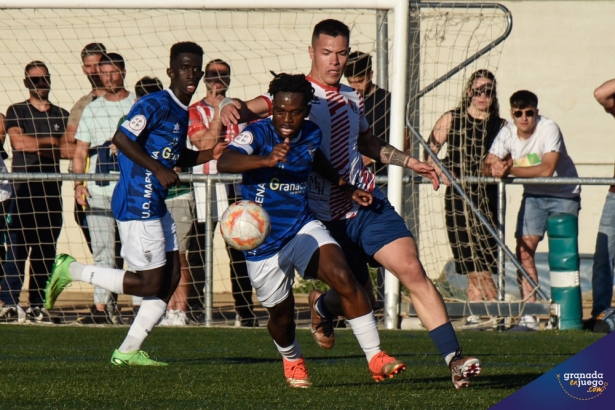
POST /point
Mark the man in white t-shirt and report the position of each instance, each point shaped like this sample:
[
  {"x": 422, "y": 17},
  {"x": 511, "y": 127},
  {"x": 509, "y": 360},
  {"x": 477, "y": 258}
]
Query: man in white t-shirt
[
  {"x": 98, "y": 123},
  {"x": 532, "y": 146}
]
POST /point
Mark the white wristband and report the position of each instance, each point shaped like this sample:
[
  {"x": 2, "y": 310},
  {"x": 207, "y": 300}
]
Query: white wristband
[{"x": 225, "y": 101}]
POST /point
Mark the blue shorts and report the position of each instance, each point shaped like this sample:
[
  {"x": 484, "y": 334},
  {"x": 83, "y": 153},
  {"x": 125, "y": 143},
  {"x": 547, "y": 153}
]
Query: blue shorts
[
  {"x": 372, "y": 228},
  {"x": 532, "y": 218}
]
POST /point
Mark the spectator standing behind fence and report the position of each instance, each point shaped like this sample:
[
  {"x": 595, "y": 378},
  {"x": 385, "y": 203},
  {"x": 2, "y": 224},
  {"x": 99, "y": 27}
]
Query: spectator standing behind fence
[
  {"x": 536, "y": 148},
  {"x": 35, "y": 128},
  {"x": 90, "y": 57},
  {"x": 96, "y": 128},
  {"x": 604, "y": 256},
  {"x": 377, "y": 102},
  {"x": 6, "y": 191},
  {"x": 205, "y": 131},
  {"x": 469, "y": 131}
]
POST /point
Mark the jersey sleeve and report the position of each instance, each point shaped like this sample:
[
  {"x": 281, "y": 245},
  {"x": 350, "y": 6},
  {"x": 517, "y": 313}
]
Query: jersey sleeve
[
  {"x": 269, "y": 100},
  {"x": 552, "y": 138},
  {"x": 198, "y": 120},
  {"x": 500, "y": 148},
  {"x": 143, "y": 117},
  {"x": 248, "y": 141}
]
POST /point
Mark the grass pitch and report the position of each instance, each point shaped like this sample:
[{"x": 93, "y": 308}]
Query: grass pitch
[{"x": 67, "y": 367}]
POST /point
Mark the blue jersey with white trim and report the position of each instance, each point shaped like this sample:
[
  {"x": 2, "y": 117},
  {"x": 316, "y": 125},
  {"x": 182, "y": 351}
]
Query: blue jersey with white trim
[
  {"x": 281, "y": 190},
  {"x": 158, "y": 122}
]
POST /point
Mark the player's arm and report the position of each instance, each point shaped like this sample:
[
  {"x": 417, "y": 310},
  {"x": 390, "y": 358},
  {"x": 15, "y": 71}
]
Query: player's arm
[
  {"x": 546, "y": 168},
  {"x": 190, "y": 158},
  {"x": 377, "y": 148},
  {"x": 137, "y": 154},
  {"x": 235, "y": 111},
  {"x": 605, "y": 95},
  {"x": 323, "y": 166},
  {"x": 79, "y": 160},
  {"x": 235, "y": 162}
]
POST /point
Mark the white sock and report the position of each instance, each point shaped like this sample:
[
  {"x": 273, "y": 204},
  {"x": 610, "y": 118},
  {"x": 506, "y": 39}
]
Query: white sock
[
  {"x": 291, "y": 353},
  {"x": 152, "y": 309},
  {"x": 365, "y": 329},
  {"x": 106, "y": 278}
]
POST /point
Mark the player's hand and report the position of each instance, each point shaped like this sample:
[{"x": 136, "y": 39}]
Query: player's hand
[
  {"x": 278, "y": 154},
  {"x": 81, "y": 193},
  {"x": 229, "y": 114},
  {"x": 218, "y": 149},
  {"x": 113, "y": 149},
  {"x": 426, "y": 170},
  {"x": 167, "y": 177},
  {"x": 358, "y": 195}
]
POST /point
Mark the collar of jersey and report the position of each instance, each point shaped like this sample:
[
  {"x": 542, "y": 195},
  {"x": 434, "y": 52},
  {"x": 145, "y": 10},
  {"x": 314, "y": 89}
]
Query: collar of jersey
[
  {"x": 324, "y": 86},
  {"x": 185, "y": 107}
]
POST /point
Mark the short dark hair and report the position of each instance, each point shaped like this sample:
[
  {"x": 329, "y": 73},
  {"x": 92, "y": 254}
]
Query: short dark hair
[
  {"x": 185, "y": 47},
  {"x": 218, "y": 61},
  {"x": 147, "y": 85},
  {"x": 330, "y": 27},
  {"x": 523, "y": 99},
  {"x": 113, "y": 58},
  {"x": 292, "y": 83},
  {"x": 358, "y": 64},
  {"x": 92, "y": 49},
  {"x": 33, "y": 64}
]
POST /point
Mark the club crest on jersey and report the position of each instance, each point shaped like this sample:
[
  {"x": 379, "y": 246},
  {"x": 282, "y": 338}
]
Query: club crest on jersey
[
  {"x": 245, "y": 138},
  {"x": 311, "y": 151},
  {"x": 176, "y": 128},
  {"x": 137, "y": 123},
  {"x": 353, "y": 107}
]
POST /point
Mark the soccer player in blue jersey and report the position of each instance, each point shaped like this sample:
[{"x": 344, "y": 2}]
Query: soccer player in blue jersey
[
  {"x": 275, "y": 156},
  {"x": 151, "y": 142}
]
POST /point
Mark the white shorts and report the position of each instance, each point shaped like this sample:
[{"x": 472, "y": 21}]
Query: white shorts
[
  {"x": 145, "y": 243},
  {"x": 273, "y": 278}
]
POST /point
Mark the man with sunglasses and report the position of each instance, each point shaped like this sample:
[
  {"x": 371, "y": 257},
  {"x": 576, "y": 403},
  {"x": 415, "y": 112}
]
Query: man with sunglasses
[
  {"x": 204, "y": 131},
  {"x": 35, "y": 128},
  {"x": 532, "y": 146}
]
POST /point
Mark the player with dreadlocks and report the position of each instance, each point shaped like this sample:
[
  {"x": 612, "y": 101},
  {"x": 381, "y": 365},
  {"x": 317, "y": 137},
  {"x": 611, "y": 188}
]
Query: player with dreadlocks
[{"x": 276, "y": 156}]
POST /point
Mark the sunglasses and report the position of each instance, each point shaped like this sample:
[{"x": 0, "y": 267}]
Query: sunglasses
[
  {"x": 477, "y": 92},
  {"x": 216, "y": 74},
  {"x": 519, "y": 113},
  {"x": 43, "y": 79}
]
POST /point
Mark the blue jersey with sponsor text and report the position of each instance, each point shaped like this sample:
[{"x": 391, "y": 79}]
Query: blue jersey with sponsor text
[
  {"x": 281, "y": 190},
  {"x": 158, "y": 122}
]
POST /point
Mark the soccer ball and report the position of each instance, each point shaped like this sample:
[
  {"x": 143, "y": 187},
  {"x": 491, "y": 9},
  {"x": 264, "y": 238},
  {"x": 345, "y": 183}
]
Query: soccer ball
[{"x": 245, "y": 225}]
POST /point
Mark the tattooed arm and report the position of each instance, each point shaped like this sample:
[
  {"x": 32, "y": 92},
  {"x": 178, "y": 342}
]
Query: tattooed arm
[{"x": 377, "y": 148}]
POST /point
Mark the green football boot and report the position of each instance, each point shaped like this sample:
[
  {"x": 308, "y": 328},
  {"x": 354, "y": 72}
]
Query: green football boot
[
  {"x": 58, "y": 280},
  {"x": 134, "y": 358}
]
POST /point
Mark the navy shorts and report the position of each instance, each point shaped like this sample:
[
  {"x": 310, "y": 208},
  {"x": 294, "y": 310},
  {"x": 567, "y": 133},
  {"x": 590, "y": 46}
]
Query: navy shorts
[{"x": 371, "y": 229}]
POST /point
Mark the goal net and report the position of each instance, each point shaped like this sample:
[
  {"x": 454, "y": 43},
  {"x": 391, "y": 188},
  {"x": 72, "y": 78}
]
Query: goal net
[{"x": 253, "y": 43}]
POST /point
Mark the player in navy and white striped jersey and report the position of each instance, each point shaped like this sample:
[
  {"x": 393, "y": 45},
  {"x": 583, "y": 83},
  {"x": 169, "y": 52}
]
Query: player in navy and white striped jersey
[
  {"x": 151, "y": 142},
  {"x": 275, "y": 156},
  {"x": 375, "y": 233}
]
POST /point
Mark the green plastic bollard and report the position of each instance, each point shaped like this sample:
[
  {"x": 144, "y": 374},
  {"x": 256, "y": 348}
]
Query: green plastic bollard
[{"x": 564, "y": 269}]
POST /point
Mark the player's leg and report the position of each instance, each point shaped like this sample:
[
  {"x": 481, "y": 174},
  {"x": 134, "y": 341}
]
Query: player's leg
[
  {"x": 327, "y": 263},
  {"x": 273, "y": 278}
]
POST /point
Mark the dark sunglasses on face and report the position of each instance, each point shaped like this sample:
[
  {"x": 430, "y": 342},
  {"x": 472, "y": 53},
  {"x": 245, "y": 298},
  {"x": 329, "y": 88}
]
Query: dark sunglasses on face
[
  {"x": 477, "y": 92},
  {"x": 42, "y": 79},
  {"x": 528, "y": 113}
]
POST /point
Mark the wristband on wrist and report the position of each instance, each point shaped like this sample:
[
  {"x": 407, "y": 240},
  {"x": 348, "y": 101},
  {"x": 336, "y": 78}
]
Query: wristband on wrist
[{"x": 226, "y": 101}]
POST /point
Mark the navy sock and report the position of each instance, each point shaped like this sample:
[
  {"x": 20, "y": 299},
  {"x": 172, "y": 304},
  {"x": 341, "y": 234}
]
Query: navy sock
[
  {"x": 445, "y": 339},
  {"x": 321, "y": 307}
]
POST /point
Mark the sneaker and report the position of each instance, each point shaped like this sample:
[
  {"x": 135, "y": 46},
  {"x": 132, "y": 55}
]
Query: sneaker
[
  {"x": 38, "y": 315},
  {"x": 174, "y": 318},
  {"x": 95, "y": 317},
  {"x": 322, "y": 327},
  {"x": 463, "y": 369},
  {"x": 12, "y": 314},
  {"x": 249, "y": 322},
  {"x": 382, "y": 366},
  {"x": 527, "y": 323},
  {"x": 134, "y": 358},
  {"x": 58, "y": 280},
  {"x": 296, "y": 374}
]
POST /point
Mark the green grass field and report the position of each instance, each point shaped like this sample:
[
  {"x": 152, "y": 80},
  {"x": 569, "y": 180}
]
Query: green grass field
[{"x": 67, "y": 367}]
